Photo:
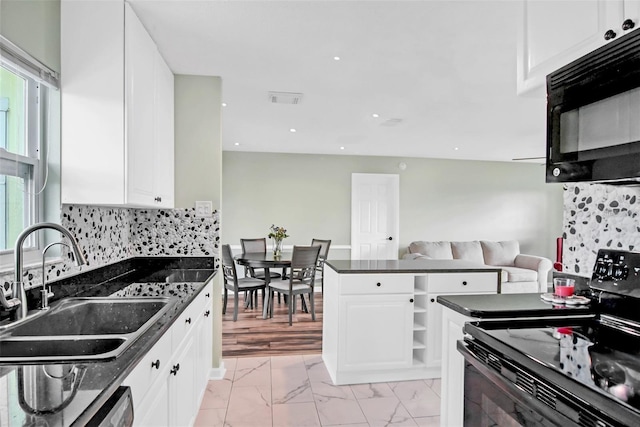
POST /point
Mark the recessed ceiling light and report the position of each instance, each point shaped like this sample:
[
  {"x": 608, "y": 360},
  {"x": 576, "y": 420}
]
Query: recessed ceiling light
[
  {"x": 292, "y": 130},
  {"x": 342, "y": 148},
  {"x": 237, "y": 143},
  {"x": 456, "y": 148},
  {"x": 375, "y": 115},
  {"x": 336, "y": 58},
  {"x": 224, "y": 104}
]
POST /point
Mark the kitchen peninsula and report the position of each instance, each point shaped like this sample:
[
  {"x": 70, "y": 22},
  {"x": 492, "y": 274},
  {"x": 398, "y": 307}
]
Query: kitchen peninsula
[{"x": 381, "y": 321}]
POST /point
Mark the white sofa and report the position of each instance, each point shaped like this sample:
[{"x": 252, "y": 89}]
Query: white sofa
[{"x": 520, "y": 273}]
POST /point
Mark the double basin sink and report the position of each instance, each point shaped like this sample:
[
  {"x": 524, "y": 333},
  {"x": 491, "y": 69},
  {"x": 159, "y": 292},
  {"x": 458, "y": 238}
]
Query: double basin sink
[{"x": 88, "y": 329}]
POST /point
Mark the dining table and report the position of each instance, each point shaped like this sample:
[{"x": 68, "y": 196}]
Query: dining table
[{"x": 267, "y": 261}]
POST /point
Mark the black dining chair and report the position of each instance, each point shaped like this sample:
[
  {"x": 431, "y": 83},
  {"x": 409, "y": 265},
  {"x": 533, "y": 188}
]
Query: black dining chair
[
  {"x": 322, "y": 257},
  {"x": 302, "y": 275},
  {"x": 249, "y": 285},
  {"x": 256, "y": 246}
]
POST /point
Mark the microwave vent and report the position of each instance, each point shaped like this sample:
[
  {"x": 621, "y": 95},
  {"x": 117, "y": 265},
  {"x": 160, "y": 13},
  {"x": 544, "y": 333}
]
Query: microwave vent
[{"x": 291, "y": 98}]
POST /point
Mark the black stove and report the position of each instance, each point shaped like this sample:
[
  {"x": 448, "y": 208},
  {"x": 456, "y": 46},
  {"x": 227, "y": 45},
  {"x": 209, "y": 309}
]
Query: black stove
[{"x": 582, "y": 371}]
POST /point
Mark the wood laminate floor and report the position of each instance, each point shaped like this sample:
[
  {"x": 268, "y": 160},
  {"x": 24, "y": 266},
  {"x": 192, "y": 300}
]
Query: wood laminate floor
[{"x": 253, "y": 336}]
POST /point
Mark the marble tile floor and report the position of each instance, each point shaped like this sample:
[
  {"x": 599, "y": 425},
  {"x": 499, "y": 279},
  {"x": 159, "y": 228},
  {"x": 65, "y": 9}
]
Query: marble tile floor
[{"x": 296, "y": 391}]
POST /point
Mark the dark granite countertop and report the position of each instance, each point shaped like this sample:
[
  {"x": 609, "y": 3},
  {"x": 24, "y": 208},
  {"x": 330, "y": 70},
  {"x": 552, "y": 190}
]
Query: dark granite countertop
[
  {"x": 408, "y": 266},
  {"x": 500, "y": 306},
  {"x": 97, "y": 381}
]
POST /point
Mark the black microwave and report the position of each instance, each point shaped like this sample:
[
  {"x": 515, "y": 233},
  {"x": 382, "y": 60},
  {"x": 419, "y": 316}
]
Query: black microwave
[{"x": 593, "y": 116}]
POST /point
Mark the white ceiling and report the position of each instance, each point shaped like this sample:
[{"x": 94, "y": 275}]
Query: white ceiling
[{"x": 445, "y": 69}]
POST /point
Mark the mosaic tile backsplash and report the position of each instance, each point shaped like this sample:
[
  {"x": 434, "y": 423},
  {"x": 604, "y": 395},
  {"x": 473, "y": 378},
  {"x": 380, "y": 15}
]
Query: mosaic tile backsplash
[
  {"x": 598, "y": 216},
  {"x": 108, "y": 235}
]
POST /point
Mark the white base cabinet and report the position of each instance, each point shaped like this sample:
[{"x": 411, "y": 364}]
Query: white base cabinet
[
  {"x": 452, "y": 383},
  {"x": 168, "y": 383},
  {"x": 387, "y": 326}
]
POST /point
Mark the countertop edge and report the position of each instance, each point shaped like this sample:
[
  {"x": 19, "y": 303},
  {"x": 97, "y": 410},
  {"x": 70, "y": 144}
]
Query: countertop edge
[
  {"x": 509, "y": 314},
  {"x": 419, "y": 270}
]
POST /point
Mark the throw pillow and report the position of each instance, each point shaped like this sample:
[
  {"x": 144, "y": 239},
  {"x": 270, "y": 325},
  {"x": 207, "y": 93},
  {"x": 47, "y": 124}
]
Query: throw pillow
[
  {"x": 435, "y": 250},
  {"x": 500, "y": 253},
  {"x": 468, "y": 251}
]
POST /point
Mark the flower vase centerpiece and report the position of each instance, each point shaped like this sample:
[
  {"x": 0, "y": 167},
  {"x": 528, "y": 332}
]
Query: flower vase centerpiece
[{"x": 277, "y": 235}]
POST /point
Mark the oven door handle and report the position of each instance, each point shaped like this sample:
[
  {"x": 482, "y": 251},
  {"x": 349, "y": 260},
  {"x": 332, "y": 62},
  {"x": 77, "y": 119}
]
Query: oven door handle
[{"x": 564, "y": 414}]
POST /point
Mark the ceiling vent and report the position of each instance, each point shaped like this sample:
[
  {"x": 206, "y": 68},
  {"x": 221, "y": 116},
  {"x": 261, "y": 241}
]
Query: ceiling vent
[
  {"x": 391, "y": 122},
  {"x": 285, "y": 98}
]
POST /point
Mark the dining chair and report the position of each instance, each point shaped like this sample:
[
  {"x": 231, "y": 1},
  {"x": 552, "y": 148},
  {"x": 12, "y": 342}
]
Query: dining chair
[
  {"x": 322, "y": 257},
  {"x": 258, "y": 246},
  {"x": 302, "y": 275},
  {"x": 232, "y": 283}
]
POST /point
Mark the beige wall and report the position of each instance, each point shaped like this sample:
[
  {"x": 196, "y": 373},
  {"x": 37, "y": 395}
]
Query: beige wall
[
  {"x": 34, "y": 26},
  {"x": 198, "y": 162},
  {"x": 310, "y": 195},
  {"x": 198, "y": 152}
]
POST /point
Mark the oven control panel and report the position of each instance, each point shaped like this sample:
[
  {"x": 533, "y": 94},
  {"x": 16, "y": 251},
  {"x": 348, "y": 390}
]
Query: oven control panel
[{"x": 617, "y": 272}]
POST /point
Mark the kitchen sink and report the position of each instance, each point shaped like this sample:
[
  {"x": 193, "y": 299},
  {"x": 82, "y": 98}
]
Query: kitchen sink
[
  {"x": 81, "y": 329},
  {"x": 179, "y": 275}
]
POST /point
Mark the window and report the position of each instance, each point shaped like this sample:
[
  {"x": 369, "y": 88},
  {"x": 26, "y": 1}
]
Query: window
[{"x": 22, "y": 172}]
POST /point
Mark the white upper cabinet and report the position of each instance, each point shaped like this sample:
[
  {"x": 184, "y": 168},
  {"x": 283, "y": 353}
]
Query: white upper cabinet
[
  {"x": 554, "y": 33},
  {"x": 117, "y": 109}
]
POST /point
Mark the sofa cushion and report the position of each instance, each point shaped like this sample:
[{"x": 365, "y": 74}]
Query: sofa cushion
[
  {"x": 435, "y": 250},
  {"x": 500, "y": 253},
  {"x": 469, "y": 251},
  {"x": 515, "y": 274}
]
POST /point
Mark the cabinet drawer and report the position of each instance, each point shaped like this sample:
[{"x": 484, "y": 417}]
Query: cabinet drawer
[
  {"x": 351, "y": 284},
  {"x": 184, "y": 324},
  {"x": 463, "y": 282},
  {"x": 150, "y": 368}
]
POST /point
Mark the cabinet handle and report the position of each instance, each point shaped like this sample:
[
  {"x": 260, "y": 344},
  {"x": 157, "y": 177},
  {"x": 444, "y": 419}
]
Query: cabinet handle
[
  {"x": 207, "y": 313},
  {"x": 156, "y": 364},
  {"x": 628, "y": 24},
  {"x": 158, "y": 199},
  {"x": 378, "y": 284},
  {"x": 208, "y": 295},
  {"x": 610, "y": 34},
  {"x": 433, "y": 300},
  {"x": 411, "y": 300},
  {"x": 188, "y": 320},
  {"x": 464, "y": 283},
  {"x": 175, "y": 369},
  {"x": 390, "y": 238}
]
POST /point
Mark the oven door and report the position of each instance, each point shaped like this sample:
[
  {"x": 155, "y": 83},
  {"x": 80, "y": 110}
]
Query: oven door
[{"x": 493, "y": 399}]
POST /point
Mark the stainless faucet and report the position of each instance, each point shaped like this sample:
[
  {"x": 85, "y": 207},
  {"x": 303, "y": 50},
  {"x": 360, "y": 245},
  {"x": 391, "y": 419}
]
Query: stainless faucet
[
  {"x": 18, "y": 291},
  {"x": 46, "y": 293}
]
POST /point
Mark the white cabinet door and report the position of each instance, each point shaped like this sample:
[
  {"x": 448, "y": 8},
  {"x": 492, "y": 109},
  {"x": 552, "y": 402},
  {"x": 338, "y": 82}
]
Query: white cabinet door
[
  {"x": 182, "y": 393},
  {"x": 554, "y": 33},
  {"x": 376, "y": 332},
  {"x": 204, "y": 340},
  {"x": 157, "y": 412},
  {"x": 163, "y": 161},
  {"x": 434, "y": 331},
  {"x": 140, "y": 59},
  {"x": 92, "y": 102}
]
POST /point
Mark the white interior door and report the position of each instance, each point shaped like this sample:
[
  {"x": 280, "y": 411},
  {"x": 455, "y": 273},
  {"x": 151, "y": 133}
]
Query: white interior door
[{"x": 374, "y": 216}]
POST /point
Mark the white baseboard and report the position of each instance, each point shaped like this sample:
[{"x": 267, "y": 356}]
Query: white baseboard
[{"x": 218, "y": 373}]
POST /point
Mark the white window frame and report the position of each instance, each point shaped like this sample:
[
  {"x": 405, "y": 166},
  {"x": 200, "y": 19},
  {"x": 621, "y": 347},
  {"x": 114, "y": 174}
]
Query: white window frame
[{"x": 28, "y": 166}]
